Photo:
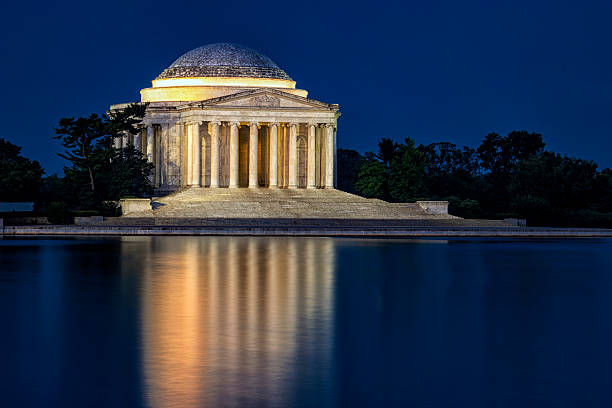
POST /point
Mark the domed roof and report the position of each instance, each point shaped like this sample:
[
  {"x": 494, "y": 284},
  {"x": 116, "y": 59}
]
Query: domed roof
[{"x": 223, "y": 60}]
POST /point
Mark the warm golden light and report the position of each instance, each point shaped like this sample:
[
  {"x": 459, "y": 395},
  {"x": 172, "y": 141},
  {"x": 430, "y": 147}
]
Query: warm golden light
[
  {"x": 199, "y": 93},
  {"x": 227, "y": 311},
  {"x": 220, "y": 81},
  {"x": 199, "y": 89}
]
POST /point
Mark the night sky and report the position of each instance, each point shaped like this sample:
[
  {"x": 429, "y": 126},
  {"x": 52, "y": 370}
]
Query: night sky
[{"x": 431, "y": 70}]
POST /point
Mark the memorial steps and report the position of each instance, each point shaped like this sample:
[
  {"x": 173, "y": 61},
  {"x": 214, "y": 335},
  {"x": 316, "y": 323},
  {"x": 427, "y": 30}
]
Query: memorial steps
[
  {"x": 261, "y": 207},
  {"x": 278, "y": 203}
]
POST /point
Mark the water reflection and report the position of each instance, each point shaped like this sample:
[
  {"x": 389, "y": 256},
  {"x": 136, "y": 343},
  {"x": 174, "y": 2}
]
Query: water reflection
[{"x": 229, "y": 322}]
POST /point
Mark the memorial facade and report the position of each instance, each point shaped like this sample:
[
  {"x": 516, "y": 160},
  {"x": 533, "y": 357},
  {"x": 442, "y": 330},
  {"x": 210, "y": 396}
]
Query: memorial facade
[{"x": 223, "y": 115}]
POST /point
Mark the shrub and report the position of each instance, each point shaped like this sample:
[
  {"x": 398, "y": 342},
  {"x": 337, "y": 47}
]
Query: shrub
[
  {"x": 109, "y": 209},
  {"x": 59, "y": 213}
]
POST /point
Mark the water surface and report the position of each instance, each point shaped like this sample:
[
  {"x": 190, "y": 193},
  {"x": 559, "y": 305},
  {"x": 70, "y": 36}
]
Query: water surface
[{"x": 305, "y": 322}]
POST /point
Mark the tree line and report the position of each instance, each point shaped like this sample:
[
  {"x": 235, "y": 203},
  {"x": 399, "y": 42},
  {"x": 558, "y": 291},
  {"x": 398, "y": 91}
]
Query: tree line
[{"x": 505, "y": 176}]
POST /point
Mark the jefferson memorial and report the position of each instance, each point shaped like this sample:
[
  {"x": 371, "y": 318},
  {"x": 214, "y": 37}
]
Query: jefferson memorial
[{"x": 223, "y": 115}]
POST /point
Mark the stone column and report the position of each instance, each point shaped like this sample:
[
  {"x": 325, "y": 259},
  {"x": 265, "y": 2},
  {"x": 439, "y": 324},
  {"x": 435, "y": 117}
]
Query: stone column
[
  {"x": 117, "y": 143},
  {"x": 196, "y": 168},
  {"x": 189, "y": 154},
  {"x": 273, "y": 155},
  {"x": 253, "y": 183},
  {"x": 138, "y": 140},
  {"x": 150, "y": 142},
  {"x": 329, "y": 156},
  {"x": 214, "y": 154},
  {"x": 335, "y": 156},
  {"x": 125, "y": 139},
  {"x": 164, "y": 144},
  {"x": 157, "y": 155},
  {"x": 311, "y": 170},
  {"x": 281, "y": 155},
  {"x": 174, "y": 155},
  {"x": 233, "y": 161},
  {"x": 292, "y": 155},
  {"x": 182, "y": 153}
]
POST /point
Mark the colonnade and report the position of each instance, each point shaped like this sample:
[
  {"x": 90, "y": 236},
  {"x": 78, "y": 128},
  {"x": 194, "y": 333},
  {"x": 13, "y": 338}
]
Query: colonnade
[{"x": 209, "y": 153}]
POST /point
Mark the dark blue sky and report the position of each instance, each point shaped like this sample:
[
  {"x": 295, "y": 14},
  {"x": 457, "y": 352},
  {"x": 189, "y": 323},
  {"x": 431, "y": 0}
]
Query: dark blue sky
[{"x": 431, "y": 70}]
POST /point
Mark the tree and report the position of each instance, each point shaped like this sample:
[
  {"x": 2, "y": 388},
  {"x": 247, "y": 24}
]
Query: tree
[
  {"x": 99, "y": 172},
  {"x": 87, "y": 140},
  {"x": 20, "y": 178},
  {"x": 387, "y": 151},
  {"x": 126, "y": 119},
  {"x": 406, "y": 176},
  {"x": 547, "y": 187},
  {"x": 349, "y": 163},
  {"x": 499, "y": 157},
  {"x": 79, "y": 137},
  {"x": 450, "y": 171},
  {"x": 372, "y": 178},
  {"x": 127, "y": 174}
]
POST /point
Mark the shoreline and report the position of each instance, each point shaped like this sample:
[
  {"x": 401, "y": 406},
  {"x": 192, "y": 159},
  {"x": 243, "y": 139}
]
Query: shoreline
[{"x": 305, "y": 231}]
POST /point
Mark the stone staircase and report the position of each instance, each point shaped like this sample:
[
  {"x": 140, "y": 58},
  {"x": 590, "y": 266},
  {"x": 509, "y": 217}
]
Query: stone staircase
[{"x": 244, "y": 203}]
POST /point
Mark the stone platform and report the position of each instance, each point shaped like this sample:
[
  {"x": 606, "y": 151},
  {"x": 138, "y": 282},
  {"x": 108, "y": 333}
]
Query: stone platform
[{"x": 245, "y": 203}]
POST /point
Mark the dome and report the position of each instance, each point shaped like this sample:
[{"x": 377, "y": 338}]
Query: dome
[{"x": 223, "y": 60}]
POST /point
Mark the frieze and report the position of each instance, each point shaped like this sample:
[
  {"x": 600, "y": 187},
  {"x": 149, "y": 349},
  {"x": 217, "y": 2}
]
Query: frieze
[{"x": 265, "y": 101}]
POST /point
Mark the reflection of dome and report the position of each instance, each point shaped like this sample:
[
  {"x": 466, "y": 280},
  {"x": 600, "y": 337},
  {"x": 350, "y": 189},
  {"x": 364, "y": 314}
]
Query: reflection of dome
[{"x": 223, "y": 60}]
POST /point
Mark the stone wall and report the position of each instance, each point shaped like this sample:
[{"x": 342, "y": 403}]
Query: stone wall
[
  {"x": 131, "y": 205},
  {"x": 434, "y": 207}
]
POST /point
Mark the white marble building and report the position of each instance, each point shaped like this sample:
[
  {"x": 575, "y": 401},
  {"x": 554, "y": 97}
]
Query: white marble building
[{"x": 223, "y": 115}]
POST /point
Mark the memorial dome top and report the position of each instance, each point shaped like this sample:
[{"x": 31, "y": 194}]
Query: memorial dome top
[{"x": 223, "y": 60}]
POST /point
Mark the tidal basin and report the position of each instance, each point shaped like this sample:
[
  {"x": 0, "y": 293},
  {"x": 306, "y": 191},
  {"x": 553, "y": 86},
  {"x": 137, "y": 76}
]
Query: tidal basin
[{"x": 305, "y": 322}]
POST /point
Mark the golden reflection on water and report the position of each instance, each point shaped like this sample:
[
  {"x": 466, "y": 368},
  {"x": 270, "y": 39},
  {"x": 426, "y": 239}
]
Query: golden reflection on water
[{"x": 224, "y": 319}]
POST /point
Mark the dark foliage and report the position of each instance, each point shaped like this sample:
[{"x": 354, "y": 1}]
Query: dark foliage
[
  {"x": 349, "y": 163},
  {"x": 20, "y": 178},
  {"x": 372, "y": 179},
  {"x": 58, "y": 213},
  {"x": 406, "y": 175},
  {"x": 387, "y": 151},
  {"x": 506, "y": 176},
  {"x": 98, "y": 173}
]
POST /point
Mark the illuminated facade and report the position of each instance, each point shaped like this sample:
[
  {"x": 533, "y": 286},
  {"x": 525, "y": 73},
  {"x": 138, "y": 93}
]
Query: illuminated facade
[{"x": 223, "y": 115}]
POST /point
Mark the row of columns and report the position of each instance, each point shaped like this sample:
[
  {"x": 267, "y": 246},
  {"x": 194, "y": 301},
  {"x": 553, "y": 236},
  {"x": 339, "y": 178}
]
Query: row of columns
[
  {"x": 193, "y": 165},
  {"x": 194, "y": 148}
]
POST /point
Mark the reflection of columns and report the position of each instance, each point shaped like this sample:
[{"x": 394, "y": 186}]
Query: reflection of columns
[
  {"x": 310, "y": 178},
  {"x": 189, "y": 154},
  {"x": 292, "y": 155},
  {"x": 233, "y": 161},
  {"x": 253, "y": 155},
  {"x": 253, "y": 298},
  {"x": 329, "y": 156},
  {"x": 214, "y": 155},
  {"x": 150, "y": 142},
  {"x": 273, "y": 155}
]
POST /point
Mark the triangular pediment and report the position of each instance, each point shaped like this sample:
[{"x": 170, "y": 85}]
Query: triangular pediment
[{"x": 264, "y": 98}]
